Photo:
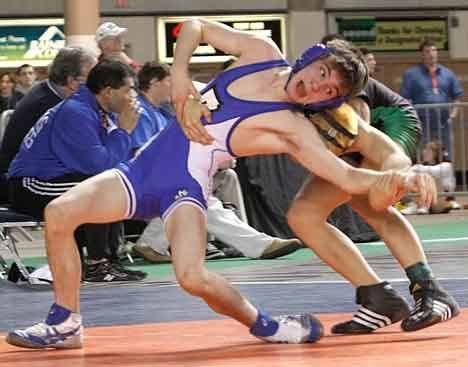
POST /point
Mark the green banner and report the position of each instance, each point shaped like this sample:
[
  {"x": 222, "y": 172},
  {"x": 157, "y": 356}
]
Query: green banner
[
  {"x": 31, "y": 41},
  {"x": 388, "y": 34}
]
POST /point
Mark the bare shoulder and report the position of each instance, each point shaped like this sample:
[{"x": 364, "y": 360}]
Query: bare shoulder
[
  {"x": 280, "y": 121},
  {"x": 260, "y": 49}
]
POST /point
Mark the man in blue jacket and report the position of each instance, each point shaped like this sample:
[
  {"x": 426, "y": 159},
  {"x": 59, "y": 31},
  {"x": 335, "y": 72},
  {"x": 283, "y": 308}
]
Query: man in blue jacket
[{"x": 75, "y": 140}]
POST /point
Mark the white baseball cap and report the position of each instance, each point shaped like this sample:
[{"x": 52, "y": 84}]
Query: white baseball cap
[{"x": 109, "y": 29}]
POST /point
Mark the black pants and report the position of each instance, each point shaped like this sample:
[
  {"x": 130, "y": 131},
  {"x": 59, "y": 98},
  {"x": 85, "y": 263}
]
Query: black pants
[
  {"x": 3, "y": 189},
  {"x": 31, "y": 196}
]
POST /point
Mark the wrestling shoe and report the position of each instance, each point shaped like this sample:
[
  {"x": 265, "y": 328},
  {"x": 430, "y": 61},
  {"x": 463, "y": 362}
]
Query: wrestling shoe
[
  {"x": 116, "y": 264},
  {"x": 66, "y": 335},
  {"x": 213, "y": 253},
  {"x": 381, "y": 306},
  {"x": 433, "y": 305},
  {"x": 279, "y": 247},
  {"x": 295, "y": 329},
  {"x": 151, "y": 255},
  {"x": 104, "y": 271}
]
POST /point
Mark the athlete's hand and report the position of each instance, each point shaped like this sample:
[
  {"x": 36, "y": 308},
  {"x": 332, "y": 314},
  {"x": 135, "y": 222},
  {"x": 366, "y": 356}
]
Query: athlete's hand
[
  {"x": 424, "y": 185},
  {"x": 183, "y": 91},
  {"x": 130, "y": 115},
  {"x": 387, "y": 190},
  {"x": 391, "y": 187},
  {"x": 191, "y": 123}
]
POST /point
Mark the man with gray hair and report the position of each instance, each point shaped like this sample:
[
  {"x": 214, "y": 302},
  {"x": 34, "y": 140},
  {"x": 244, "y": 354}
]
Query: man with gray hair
[{"x": 70, "y": 66}]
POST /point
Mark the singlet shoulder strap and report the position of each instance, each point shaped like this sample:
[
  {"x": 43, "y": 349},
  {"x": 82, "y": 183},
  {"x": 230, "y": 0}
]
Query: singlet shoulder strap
[{"x": 240, "y": 71}]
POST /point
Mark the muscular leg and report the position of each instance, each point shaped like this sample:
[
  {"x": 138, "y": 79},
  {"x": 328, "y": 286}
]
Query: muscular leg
[
  {"x": 100, "y": 199},
  {"x": 394, "y": 229},
  {"x": 380, "y": 304},
  {"x": 307, "y": 218},
  {"x": 186, "y": 231}
]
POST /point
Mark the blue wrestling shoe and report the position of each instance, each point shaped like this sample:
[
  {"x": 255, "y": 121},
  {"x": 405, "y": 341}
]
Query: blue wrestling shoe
[
  {"x": 68, "y": 334},
  {"x": 296, "y": 329}
]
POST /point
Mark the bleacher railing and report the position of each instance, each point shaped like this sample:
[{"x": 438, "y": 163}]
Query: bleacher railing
[{"x": 452, "y": 133}]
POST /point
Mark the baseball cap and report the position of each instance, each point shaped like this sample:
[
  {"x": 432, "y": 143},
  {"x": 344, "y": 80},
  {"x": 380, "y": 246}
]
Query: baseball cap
[{"x": 109, "y": 29}]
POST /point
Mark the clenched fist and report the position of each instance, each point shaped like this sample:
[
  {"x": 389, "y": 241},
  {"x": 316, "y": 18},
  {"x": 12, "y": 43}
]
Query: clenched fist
[{"x": 392, "y": 185}]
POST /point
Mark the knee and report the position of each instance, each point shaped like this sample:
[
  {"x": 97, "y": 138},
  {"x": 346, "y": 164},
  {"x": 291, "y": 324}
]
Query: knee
[
  {"x": 193, "y": 279},
  {"x": 58, "y": 218},
  {"x": 304, "y": 213}
]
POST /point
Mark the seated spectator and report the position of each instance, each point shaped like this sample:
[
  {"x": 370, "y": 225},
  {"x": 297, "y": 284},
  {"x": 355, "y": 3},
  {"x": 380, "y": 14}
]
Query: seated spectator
[
  {"x": 227, "y": 188},
  {"x": 443, "y": 174},
  {"x": 25, "y": 79},
  {"x": 6, "y": 90},
  {"x": 109, "y": 38},
  {"x": 75, "y": 140},
  {"x": 154, "y": 83},
  {"x": 69, "y": 68}
]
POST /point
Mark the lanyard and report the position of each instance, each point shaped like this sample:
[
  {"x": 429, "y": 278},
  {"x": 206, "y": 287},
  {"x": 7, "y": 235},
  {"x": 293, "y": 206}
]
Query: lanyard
[{"x": 435, "y": 82}]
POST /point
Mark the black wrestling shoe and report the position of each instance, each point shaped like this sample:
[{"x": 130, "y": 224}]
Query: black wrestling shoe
[
  {"x": 123, "y": 269},
  {"x": 381, "y": 306},
  {"x": 433, "y": 305},
  {"x": 105, "y": 272}
]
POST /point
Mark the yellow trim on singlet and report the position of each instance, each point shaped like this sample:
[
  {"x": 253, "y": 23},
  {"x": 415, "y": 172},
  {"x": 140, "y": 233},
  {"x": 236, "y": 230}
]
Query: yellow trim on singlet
[{"x": 338, "y": 128}]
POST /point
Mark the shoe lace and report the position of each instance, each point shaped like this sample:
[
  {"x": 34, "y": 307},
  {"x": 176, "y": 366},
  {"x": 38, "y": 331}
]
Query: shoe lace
[
  {"x": 288, "y": 320},
  {"x": 38, "y": 329}
]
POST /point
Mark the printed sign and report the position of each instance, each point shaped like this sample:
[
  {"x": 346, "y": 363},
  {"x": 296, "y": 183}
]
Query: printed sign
[
  {"x": 30, "y": 41},
  {"x": 388, "y": 34}
]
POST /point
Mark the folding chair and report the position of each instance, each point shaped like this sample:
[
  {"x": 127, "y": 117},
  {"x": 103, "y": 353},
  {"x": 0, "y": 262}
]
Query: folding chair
[
  {"x": 12, "y": 224},
  {"x": 4, "y": 120}
]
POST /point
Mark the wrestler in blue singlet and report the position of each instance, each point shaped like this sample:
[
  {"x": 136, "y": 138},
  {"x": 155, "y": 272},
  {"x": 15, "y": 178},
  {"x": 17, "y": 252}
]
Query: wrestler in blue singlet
[{"x": 170, "y": 170}]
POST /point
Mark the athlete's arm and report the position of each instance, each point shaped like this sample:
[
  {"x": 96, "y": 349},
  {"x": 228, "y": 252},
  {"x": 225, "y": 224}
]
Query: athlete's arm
[
  {"x": 248, "y": 48},
  {"x": 384, "y": 153},
  {"x": 379, "y": 149},
  {"x": 293, "y": 134}
]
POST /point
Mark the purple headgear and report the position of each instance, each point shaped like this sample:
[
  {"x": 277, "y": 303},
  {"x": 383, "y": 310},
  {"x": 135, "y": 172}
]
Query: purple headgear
[{"x": 308, "y": 57}]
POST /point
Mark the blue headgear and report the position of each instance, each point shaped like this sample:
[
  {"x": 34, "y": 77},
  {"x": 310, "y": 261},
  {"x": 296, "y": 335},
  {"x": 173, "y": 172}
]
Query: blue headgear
[{"x": 308, "y": 57}]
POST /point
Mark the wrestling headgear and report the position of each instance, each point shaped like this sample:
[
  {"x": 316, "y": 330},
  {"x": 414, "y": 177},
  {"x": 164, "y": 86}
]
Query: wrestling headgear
[{"x": 346, "y": 56}]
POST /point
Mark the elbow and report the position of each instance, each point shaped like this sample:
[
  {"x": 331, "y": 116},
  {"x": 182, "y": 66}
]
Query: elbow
[
  {"x": 195, "y": 26},
  {"x": 396, "y": 161},
  {"x": 407, "y": 163},
  {"x": 190, "y": 23},
  {"x": 401, "y": 162}
]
